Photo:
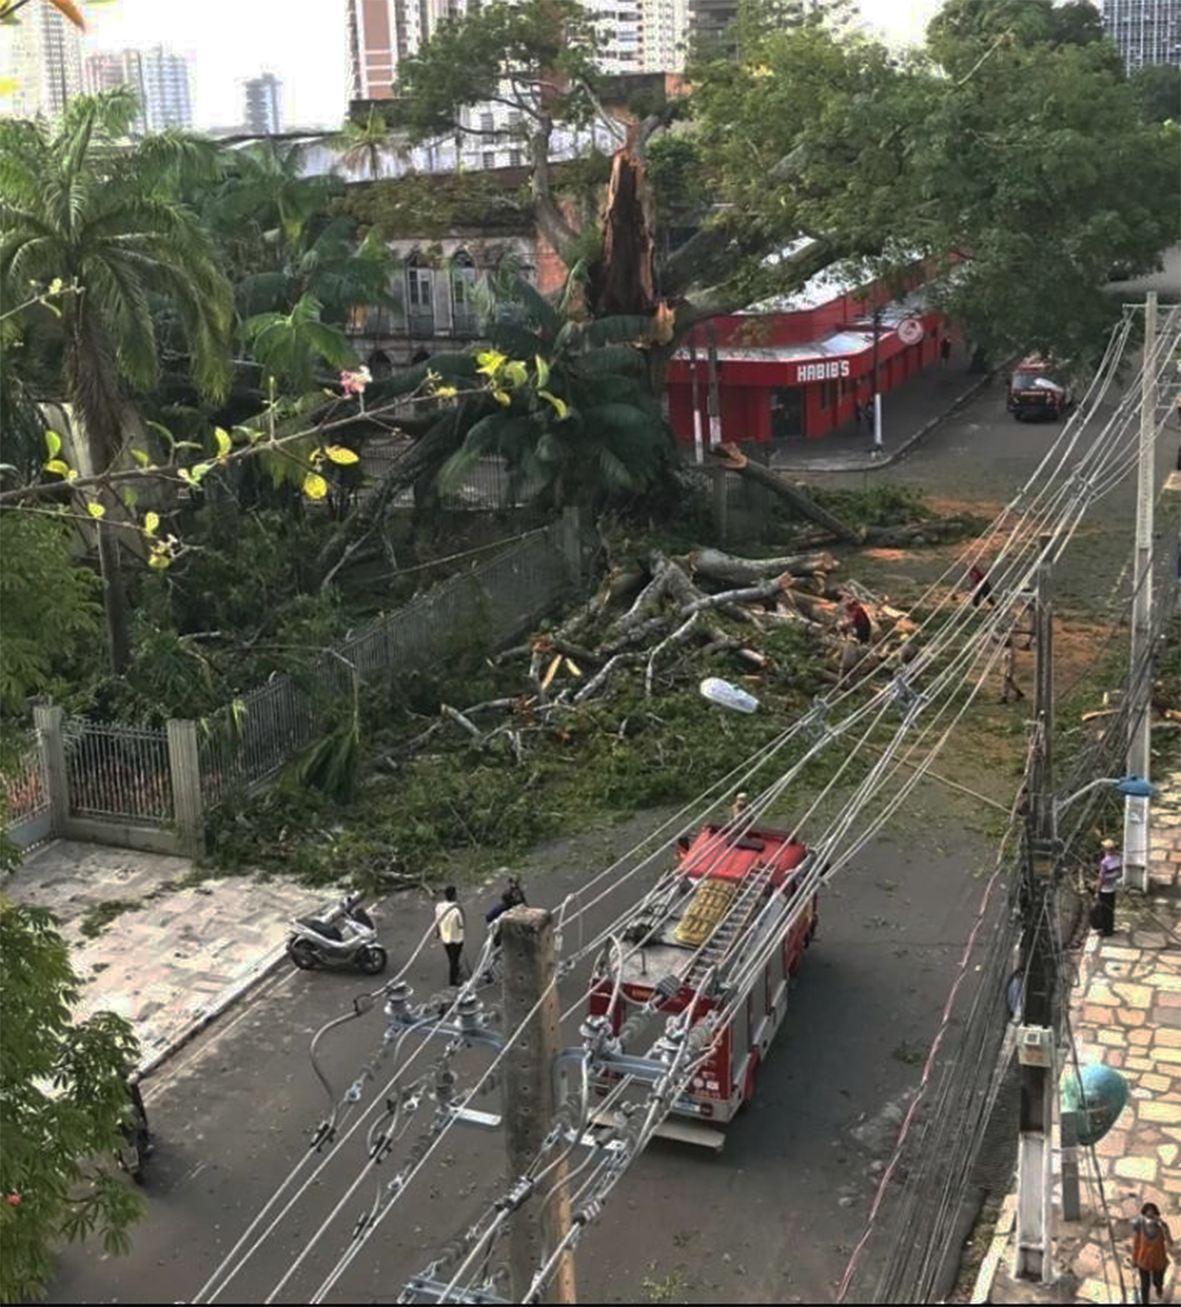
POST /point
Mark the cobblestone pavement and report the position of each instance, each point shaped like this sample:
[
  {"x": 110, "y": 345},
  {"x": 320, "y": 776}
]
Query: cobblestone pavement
[
  {"x": 177, "y": 953},
  {"x": 1125, "y": 1012}
]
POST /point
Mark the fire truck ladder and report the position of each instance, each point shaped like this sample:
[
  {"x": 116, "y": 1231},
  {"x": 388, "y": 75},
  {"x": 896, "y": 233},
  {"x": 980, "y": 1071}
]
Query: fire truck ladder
[{"x": 719, "y": 944}]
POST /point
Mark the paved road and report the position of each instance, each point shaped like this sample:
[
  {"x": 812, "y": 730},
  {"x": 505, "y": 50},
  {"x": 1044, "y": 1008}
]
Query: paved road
[{"x": 771, "y": 1219}]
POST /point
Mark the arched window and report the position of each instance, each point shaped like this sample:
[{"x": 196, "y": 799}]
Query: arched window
[
  {"x": 463, "y": 283},
  {"x": 379, "y": 365},
  {"x": 420, "y": 298}
]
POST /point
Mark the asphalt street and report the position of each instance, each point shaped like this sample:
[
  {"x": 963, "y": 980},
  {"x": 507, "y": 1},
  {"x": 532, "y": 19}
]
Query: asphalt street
[{"x": 772, "y": 1218}]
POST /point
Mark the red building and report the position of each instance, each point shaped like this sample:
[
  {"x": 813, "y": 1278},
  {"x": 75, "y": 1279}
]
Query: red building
[{"x": 796, "y": 371}]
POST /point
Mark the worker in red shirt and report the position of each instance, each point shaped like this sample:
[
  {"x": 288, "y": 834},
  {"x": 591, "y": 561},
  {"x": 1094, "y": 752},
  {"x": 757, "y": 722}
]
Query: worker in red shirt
[
  {"x": 856, "y": 619},
  {"x": 980, "y": 585}
]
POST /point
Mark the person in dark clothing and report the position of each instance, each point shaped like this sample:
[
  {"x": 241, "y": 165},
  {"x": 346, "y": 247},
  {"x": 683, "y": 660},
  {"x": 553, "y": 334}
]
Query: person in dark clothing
[
  {"x": 136, "y": 1129},
  {"x": 856, "y": 619},
  {"x": 981, "y": 586},
  {"x": 944, "y": 351}
]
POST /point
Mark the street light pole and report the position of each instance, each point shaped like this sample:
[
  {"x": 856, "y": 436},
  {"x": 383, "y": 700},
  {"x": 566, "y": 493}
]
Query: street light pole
[
  {"x": 1139, "y": 760},
  {"x": 877, "y": 398}
]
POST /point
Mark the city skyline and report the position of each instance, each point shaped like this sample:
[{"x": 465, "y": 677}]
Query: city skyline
[{"x": 227, "y": 43}]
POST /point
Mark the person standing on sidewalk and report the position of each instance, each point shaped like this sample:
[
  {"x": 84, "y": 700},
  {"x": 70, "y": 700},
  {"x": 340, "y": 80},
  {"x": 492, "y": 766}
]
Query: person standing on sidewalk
[
  {"x": 449, "y": 928},
  {"x": 980, "y": 586},
  {"x": 1110, "y": 871},
  {"x": 1150, "y": 1241},
  {"x": 1009, "y": 684},
  {"x": 944, "y": 352}
]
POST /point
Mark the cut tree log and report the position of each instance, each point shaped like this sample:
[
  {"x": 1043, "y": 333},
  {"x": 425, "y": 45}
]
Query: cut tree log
[
  {"x": 714, "y": 565},
  {"x": 736, "y": 461}
]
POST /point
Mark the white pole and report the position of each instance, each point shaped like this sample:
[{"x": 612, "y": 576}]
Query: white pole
[
  {"x": 877, "y": 422},
  {"x": 1140, "y": 680}
]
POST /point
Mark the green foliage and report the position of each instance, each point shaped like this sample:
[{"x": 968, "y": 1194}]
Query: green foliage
[
  {"x": 62, "y": 1097},
  {"x": 575, "y": 420},
  {"x": 537, "y": 47},
  {"x": 963, "y": 30},
  {"x": 876, "y": 505},
  {"x": 333, "y": 764},
  {"x": 291, "y": 346},
  {"x": 1032, "y": 167},
  {"x": 428, "y": 206},
  {"x": 677, "y": 178},
  {"x": 1157, "y": 88},
  {"x": 49, "y": 605}
]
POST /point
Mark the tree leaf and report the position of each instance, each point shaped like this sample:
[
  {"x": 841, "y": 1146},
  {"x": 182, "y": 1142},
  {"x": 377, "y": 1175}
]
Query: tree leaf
[
  {"x": 151, "y": 523},
  {"x": 224, "y": 443},
  {"x": 542, "y": 372},
  {"x": 96, "y": 510},
  {"x": 559, "y": 405},
  {"x": 314, "y": 486},
  {"x": 57, "y": 467},
  {"x": 338, "y": 454},
  {"x": 140, "y": 457},
  {"x": 53, "y": 442}
]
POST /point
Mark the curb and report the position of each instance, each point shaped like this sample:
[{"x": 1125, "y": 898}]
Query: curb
[
  {"x": 269, "y": 963},
  {"x": 870, "y": 463},
  {"x": 997, "y": 1249}
]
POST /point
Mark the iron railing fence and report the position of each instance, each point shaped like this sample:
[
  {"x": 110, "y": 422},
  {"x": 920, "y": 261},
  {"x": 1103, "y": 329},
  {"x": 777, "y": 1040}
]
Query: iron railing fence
[
  {"x": 120, "y": 772},
  {"x": 27, "y": 812}
]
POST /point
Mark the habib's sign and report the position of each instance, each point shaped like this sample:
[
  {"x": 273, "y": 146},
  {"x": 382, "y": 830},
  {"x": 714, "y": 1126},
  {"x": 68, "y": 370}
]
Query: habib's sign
[{"x": 828, "y": 371}]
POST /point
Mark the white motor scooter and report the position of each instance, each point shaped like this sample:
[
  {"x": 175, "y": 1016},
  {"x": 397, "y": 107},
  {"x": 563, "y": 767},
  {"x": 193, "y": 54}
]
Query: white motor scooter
[{"x": 345, "y": 937}]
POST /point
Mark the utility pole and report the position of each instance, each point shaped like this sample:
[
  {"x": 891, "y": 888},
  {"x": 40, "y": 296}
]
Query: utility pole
[
  {"x": 530, "y": 968},
  {"x": 1035, "y": 1038},
  {"x": 715, "y": 410},
  {"x": 877, "y": 395},
  {"x": 695, "y": 400},
  {"x": 1139, "y": 761}
]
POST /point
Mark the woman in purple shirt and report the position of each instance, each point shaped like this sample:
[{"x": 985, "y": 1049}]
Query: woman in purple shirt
[{"x": 1110, "y": 871}]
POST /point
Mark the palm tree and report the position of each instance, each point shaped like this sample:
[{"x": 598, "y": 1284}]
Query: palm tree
[
  {"x": 361, "y": 144},
  {"x": 83, "y": 203}
]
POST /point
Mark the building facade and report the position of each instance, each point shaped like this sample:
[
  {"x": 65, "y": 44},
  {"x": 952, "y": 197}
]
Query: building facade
[
  {"x": 264, "y": 105},
  {"x": 1145, "y": 31},
  {"x": 159, "y": 78},
  {"x": 47, "y": 63},
  {"x": 168, "y": 98},
  {"x": 664, "y": 32},
  {"x": 796, "y": 371}
]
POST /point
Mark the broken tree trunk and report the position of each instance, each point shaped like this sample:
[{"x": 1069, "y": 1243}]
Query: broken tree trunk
[
  {"x": 715, "y": 565},
  {"x": 736, "y": 461}
]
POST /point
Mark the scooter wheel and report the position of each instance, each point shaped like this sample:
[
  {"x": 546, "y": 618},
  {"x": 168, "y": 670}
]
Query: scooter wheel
[
  {"x": 372, "y": 959},
  {"x": 302, "y": 954}
]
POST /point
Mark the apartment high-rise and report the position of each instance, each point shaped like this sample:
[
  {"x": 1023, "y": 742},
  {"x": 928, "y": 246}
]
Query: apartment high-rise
[
  {"x": 159, "y": 78},
  {"x": 1145, "y": 31},
  {"x": 264, "y": 105},
  {"x": 664, "y": 31},
  {"x": 47, "y": 58}
]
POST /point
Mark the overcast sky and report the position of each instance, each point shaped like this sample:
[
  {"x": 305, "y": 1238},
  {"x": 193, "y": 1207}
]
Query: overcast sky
[{"x": 303, "y": 43}]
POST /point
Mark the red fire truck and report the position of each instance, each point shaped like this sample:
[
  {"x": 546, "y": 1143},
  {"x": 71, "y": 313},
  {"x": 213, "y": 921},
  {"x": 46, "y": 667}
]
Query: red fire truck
[{"x": 722, "y": 933}]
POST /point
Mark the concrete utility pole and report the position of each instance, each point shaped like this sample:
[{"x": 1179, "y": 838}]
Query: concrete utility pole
[
  {"x": 714, "y": 399},
  {"x": 1140, "y": 681},
  {"x": 1035, "y": 1039},
  {"x": 877, "y": 394},
  {"x": 695, "y": 400},
  {"x": 530, "y": 967}
]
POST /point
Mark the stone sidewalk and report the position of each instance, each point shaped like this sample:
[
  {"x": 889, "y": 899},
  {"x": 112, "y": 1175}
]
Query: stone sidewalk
[
  {"x": 1126, "y": 1013},
  {"x": 176, "y": 951}
]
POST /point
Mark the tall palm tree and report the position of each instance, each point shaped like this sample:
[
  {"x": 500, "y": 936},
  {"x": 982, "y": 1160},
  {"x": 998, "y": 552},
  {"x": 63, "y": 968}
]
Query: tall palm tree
[
  {"x": 362, "y": 143},
  {"x": 83, "y": 203}
]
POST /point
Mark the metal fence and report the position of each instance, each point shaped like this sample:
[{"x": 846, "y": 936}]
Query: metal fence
[
  {"x": 28, "y": 814},
  {"x": 245, "y": 744},
  {"x": 118, "y": 772}
]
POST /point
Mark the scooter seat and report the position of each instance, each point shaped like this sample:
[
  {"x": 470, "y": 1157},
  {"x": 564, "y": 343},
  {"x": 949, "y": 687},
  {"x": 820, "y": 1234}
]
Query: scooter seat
[{"x": 326, "y": 928}]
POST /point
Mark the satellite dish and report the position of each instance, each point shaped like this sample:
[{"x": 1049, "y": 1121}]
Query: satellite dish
[
  {"x": 722, "y": 692},
  {"x": 910, "y": 331}
]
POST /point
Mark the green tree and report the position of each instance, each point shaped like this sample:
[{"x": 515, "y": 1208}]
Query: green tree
[
  {"x": 62, "y": 1097},
  {"x": 81, "y": 203},
  {"x": 362, "y": 144},
  {"x": 963, "y": 30},
  {"x": 49, "y": 604},
  {"x": 570, "y": 414},
  {"x": 1157, "y": 88}
]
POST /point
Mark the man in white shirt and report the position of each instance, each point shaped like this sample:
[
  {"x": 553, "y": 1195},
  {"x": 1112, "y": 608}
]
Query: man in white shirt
[{"x": 449, "y": 928}]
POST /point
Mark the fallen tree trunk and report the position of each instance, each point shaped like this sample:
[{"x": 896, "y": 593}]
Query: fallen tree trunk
[
  {"x": 715, "y": 565},
  {"x": 736, "y": 461}
]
